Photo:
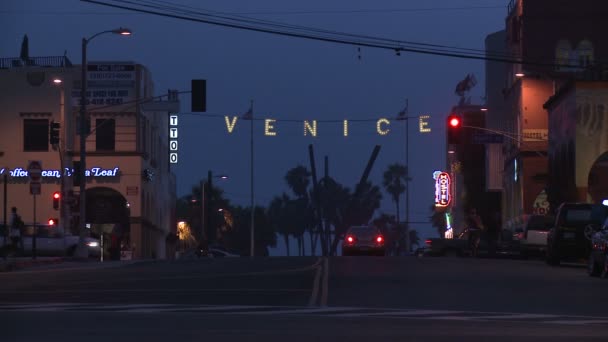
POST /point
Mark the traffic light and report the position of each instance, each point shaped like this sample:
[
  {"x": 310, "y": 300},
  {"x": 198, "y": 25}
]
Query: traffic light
[
  {"x": 199, "y": 96},
  {"x": 54, "y": 133},
  {"x": 56, "y": 197},
  {"x": 454, "y": 128},
  {"x": 53, "y": 222}
]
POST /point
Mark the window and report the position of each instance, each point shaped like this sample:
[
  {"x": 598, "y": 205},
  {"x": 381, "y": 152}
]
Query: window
[
  {"x": 578, "y": 215},
  {"x": 585, "y": 54},
  {"x": 35, "y": 135},
  {"x": 105, "y": 134},
  {"x": 562, "y": 55}
]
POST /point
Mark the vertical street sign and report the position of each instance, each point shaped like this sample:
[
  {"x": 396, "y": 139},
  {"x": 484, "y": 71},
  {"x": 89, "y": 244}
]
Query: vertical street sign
[
  {"x": 34, "y": 170},
  {"x": 173, "y": 122}
]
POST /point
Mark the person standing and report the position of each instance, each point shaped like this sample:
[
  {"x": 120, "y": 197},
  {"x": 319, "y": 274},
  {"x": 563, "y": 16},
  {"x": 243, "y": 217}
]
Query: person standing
[
  {"x": 475, "y": 226},
  {"x": 16, "y": 224}
]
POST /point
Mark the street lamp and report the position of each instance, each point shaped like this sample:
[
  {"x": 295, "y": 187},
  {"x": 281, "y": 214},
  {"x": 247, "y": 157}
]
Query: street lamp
[
  {"x": 82, "y": 250},
  {"x": 206, "y": 207}
]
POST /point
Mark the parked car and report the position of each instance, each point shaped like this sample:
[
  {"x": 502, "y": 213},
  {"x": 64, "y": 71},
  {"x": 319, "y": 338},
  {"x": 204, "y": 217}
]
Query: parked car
[
  {"x": 222, "y": 253},
  {"x": 363, "y": 240},
  {"x": 597, "y": 265},
  {"x": 51, "y": 242},
  {"x": 570, "y": 237},
  {"x": 533, "y": 234},
  {"x": 507, "y": 244}
]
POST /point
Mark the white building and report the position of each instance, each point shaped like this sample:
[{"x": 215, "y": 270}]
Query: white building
[{"x": 130, "y": 188}]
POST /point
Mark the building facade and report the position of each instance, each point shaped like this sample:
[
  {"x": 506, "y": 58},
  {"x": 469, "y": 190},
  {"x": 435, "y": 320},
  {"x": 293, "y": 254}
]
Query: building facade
[
  {"x": 130, "y": 196},
  {"x": 578, "y": 142},
  {"x": 467, "y": 165},
  {"x": 557, "y": 40}
]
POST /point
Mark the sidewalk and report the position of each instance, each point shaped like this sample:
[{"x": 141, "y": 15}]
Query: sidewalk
[
  {"x": 18, "y": 263},
  {"x": 63, "y": 263}
]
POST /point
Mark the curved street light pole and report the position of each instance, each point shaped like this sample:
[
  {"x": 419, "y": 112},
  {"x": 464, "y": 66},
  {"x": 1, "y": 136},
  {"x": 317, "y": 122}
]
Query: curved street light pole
[{"x": 82, "y": 250}]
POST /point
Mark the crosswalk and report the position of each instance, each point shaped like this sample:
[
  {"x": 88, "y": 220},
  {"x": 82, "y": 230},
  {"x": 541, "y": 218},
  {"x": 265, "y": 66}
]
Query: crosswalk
[{"x": 336, "y": 312}]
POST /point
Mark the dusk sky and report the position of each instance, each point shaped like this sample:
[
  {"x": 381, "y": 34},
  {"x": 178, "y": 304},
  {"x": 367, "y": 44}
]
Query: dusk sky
[{"x": 287, "y": 78}]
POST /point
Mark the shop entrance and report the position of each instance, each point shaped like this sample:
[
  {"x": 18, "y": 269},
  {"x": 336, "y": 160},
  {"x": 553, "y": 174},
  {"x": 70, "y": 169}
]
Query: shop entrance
[{"x": 108, "y": 215}]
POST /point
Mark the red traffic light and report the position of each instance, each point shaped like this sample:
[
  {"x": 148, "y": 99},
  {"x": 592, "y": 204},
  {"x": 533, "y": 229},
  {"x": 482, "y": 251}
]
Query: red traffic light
[
  {"x": 454, "y": 129},
  {"x": 52, "y": 222},
  {"x": 56, "y": 196},
  {"x": 454, "y": 121}
]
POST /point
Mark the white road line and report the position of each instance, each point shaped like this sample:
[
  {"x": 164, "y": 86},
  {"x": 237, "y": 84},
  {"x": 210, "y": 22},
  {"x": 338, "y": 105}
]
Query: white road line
[
  {"x": 518, "y": 316},
  {"x": 153, "y": 290},
  {"x": 25, "y": 306},
  {"x": 197, "y": 308},
  {"x": 579, "y": 322},
  {"x": 400, "y": 313},
  {"x": 133, "y": 306},
  {"x": 292, "y": 311},
  {"x": 315, "y": 285},
  {"x": 325, "y": 290}
]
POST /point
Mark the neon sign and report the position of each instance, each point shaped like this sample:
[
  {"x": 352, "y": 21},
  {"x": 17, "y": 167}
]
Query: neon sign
[
  {"x": 310, "y": 126},
  {"x": 92, "y": 172},
  {"x": 443, "y": 196}
]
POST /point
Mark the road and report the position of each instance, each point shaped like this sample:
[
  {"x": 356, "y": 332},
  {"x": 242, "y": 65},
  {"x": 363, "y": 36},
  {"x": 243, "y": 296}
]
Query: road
[{"x": 305, "y": 299}]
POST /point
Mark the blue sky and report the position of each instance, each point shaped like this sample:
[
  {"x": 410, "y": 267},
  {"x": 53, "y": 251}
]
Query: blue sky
[{"x": 287, "y": 78}]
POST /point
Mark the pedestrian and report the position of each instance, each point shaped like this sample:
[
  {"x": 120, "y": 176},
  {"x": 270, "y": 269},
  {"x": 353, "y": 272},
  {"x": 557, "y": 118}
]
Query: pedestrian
[
  {"x": 16, "y": 225},
  {"x": 475, "y": 226}
]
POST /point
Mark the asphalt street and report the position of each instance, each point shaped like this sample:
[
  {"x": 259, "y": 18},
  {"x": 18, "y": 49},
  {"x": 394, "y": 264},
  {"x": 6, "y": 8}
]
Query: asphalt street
[{"x": 305, "y": 299}]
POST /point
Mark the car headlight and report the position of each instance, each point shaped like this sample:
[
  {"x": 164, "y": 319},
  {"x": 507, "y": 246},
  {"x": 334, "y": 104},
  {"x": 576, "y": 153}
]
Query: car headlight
[{"x": 92, "y": 243}]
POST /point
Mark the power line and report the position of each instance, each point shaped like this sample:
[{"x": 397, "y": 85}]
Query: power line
[
  {"x": 362, "y": 11},
  {"x": 183, "y": 9},
  {"x": 387, "y": 45}
]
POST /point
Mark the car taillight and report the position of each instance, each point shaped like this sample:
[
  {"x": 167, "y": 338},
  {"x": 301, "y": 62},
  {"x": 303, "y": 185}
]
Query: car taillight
[
  {"x": 379, "y": 239},
  {"x": 428, "y": 242},
  {"x": 350, "y": 239}
]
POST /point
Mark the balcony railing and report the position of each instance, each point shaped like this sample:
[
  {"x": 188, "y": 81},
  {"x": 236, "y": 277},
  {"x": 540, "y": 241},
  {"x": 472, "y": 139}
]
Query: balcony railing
[{"x": 44, "y": 62}]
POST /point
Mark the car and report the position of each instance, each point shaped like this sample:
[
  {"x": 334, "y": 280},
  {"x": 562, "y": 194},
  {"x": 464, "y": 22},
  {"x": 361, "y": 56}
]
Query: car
[
  {"x": 52, "y": 242},
  {"x": 363, "y": 240},
  {"x": 533, "y": 234},
  {"x": 570, "y": 237},
  {"x": 597, "y": 265}
]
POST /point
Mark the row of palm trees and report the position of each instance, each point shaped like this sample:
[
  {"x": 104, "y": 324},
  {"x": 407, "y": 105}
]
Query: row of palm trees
[
  {"x": 327, "y": 212},
  {"x": 324, "y": 213}
]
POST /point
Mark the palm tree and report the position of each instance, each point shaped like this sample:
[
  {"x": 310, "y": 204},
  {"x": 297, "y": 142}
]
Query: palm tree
[
  {"x": 395, "y": 182},
  {"x": 414, "y": 238},
  {"x": 298, "y": 179},
  {"x": 278, "y": 215},
  {"x": 438, "y": 221},
  {"x": 395, "y": 178}
]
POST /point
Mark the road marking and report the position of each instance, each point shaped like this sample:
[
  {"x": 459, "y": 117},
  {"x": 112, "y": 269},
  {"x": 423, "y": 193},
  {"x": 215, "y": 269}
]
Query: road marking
[
  {"x": 402, "y": 313},
  {"x": 336, "y": 312},
  {"x": 315, "y": 284},
  {"x": 152, "y": 290},
  {"x": 295, "y": 311},
  {"x": 517, "y": 316},
  {"x": 204, "y": 276},
  {"x": 324, "y": 293},
  {"x": 579, "y": 322}
]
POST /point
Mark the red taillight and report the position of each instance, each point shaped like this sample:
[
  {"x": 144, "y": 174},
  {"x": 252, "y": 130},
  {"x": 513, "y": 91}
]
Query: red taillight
[
  {"x": 350, "y": 239},
  {"x": 379, "y": 239},
  {"x": 428, "y": 242}
]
